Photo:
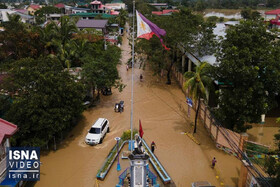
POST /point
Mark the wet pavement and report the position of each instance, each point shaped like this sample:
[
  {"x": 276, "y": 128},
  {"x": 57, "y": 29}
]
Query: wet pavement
[{"x": 163, "y": 113}]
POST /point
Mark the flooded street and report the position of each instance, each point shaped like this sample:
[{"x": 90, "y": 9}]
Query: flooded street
[{"x": 163, "y": 112}]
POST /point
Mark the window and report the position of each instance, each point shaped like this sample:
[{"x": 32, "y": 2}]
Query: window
[
  {"x": 104, "y": 125},
  {"x": 94, "y": 130}
]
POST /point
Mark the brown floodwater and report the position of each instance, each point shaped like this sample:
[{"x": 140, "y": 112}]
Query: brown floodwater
[{"x": 163, "y": 113}]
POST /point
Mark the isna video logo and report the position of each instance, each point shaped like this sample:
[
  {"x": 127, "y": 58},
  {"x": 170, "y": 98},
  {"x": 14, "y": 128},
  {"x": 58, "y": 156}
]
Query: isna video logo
[{"x": 23, "y": 163}]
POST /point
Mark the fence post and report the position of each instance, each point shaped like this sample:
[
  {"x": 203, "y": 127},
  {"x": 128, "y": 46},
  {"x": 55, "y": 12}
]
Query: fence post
[
  {"x": 217, "y": 133},
  {"x": 205, "y": 108},
  {"x": 243, "y": 174},
  {"x": 244, "y": 165},
  {"x": 242, "y": 141},
  {"x": 200, "y": 109},
  {"x": 210, "y": 125}
]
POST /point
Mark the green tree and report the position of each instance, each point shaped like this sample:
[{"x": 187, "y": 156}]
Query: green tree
[
  {"x": 122, "y": 17},
  {"x": 58, "y": 40},
  {"x": 213, "y": 19},
  {"x": 3, "y": 6},
  {"x": 184, "y": 28},
  {"x": 18, "y": 42},
  {"x": 200, "y": 5},
  {"x": 40, "y": 15},
  {"x": 246, "y": 13},
  {"x": 47, "y": 101},
  {"x": 196, "y": 82},
  {"x": 249, "y": 14},
  {"x": 101, "y": 71},
  {"x": 65, "y": 30},
  {"x": 248, "y": 64}
]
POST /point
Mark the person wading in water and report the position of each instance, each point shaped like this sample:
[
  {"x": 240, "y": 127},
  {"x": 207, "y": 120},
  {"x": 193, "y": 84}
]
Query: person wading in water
[{"x": 153, "y": 145}]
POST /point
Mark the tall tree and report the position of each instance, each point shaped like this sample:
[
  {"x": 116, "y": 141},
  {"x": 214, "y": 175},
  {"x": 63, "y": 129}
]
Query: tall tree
[
  {"x": 102, "y": 71},
  {"x": 18, "y": 42},
  {"x": 122, "y": 17},
  {"x": 248, "y": 63},
  {"x": 47, "y": 101},
  {"x": 196, "y": 82},
  {"x": 187, "y": 29},
  {"x": 40, "y": 15}
]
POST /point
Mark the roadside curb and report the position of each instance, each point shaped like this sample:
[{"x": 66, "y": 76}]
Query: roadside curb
[{"x": 192, "y": 138}]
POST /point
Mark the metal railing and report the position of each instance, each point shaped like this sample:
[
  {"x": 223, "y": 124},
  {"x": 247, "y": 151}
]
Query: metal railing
[{"x": 123, "y": 176}]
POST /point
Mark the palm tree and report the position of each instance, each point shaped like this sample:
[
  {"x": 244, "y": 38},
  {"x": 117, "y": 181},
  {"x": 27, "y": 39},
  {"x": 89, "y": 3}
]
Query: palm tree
[
  {"x": 122, "y": 17},
  {"x": 195, "y": 83},
  {"x": 65, "y": 29}
]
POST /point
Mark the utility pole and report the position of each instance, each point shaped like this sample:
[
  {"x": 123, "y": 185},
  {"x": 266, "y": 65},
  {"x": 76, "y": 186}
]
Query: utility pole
[{"x": 131, "y": 113}]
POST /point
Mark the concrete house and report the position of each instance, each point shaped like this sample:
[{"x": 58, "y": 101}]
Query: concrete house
[
  {"x": 100, "y": 25},
  {"x": 7, "y": 130},
  {"x": 33, "y": 8}
]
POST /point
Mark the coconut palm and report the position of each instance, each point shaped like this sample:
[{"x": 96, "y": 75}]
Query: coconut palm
[
  {"x": 122, "y": 17},
  {"x": 195, "y": 83},
  {"x": 65, "y": 29}
]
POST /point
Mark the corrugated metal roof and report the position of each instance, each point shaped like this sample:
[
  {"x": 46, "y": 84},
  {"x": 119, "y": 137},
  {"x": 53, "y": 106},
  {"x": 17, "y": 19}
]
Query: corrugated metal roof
[
  {"x": 273, "y": 12},
  {"x": 88, "y": 23},
  {"x": 95, "y": 2},
  {"x": 82, "y": 14},
  {"x": 59, "y": 5},
  {"x": 35, "y": 7},
  {"x": 7, "y": 129}
]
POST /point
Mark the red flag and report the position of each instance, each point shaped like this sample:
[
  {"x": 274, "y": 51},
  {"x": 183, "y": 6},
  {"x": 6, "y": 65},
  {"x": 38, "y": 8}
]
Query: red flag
[{"x": 141, "y": 132}]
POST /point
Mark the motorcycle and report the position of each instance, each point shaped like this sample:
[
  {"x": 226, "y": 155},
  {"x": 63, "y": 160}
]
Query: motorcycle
[{"x": 119, "y": 107}]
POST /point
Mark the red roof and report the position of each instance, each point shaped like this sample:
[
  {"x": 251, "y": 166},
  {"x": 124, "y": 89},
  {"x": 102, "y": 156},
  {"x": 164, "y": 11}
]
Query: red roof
[
  {"x": 273, "y": 12},
  {"x": 59, "y": 5},
  {"x": 156, "y": 12},
  {"x": 35, "y": 7},
  {"x": 114, "y": 13},
  {"x": 96, "y": 2},
  {"x": 164, "y": 12},
  {"x": 167, "y": 11},
  {"x": 7, "y": 129}
]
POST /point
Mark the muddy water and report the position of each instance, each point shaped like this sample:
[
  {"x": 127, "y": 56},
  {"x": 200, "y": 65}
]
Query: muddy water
[{"x": 162, "y": 110}]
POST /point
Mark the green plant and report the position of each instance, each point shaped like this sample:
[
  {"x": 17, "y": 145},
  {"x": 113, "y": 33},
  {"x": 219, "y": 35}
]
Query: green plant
[
  {"x": 221, "y": 19},
  {"x": 212, "y": 19},
  {"x": 127, "y": 134}
]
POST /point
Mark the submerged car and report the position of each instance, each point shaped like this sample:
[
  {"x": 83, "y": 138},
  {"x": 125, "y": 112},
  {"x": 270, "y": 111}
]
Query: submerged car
[{"x": 97, "y": 131}]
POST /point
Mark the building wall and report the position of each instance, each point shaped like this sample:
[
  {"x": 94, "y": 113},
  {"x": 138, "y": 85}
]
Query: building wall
[
  {"x": 31, "y": 11},
  {"x": 78, "y": 11},
  {"x": 269, "y": 17},
  {"x": 3, "y": 165}
]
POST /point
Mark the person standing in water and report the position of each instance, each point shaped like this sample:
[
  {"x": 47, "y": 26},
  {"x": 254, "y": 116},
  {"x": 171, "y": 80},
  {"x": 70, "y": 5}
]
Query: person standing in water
[
  {"x": 153, "y": 145},
  {"x": 213, "y": 163}
]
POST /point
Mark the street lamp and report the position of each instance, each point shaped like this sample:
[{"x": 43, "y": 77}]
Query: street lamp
[{"x": 118, "y": 165}]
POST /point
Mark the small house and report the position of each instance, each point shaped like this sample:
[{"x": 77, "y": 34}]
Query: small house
[
  {"x": 7, "y": 130},
  {"x": 33, "y": 8},
  {"x": 99, "y": 25}
]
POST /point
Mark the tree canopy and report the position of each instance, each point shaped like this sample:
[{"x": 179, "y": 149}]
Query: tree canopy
[
  {"x": 44, "y": 99},
  {"x": 45, "y": 102},
  {"x": 18, "y": 42},
  {"x": 184, "y": 28},
  {"x": 249, "y": 66}
]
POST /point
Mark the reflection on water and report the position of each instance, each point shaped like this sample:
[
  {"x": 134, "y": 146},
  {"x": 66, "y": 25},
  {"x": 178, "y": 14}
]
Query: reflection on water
[{"x": 235, "y": 16}]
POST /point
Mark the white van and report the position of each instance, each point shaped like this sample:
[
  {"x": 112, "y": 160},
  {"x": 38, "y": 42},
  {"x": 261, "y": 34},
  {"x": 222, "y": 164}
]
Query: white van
[{"x": 97, "y": 132}]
